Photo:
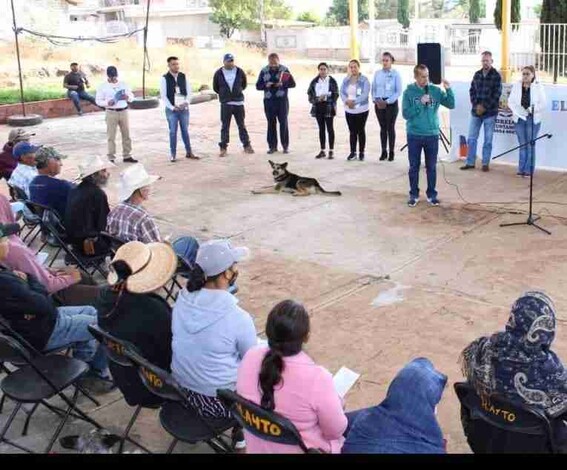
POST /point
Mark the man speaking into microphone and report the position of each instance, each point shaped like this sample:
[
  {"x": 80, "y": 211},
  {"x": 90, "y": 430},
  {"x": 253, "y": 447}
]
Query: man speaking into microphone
[{"x": 420, "y": 108}]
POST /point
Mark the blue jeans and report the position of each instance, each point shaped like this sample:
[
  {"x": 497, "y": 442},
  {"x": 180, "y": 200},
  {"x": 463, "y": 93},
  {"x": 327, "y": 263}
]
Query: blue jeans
[
  {"x": 71, "y": 330},
  {"x": 430, "y": 146},
  {"x": 77, "y": 96},
  {"x": 527, "y": 153},
  {"x": 175, "y": 118},
  {"x": 474, "y": 130}
]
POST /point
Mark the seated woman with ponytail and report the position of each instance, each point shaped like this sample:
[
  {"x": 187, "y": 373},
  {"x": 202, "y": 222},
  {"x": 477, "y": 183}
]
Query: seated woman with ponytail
[
  {"x": 130, "y": 309},
  {"x": 211, "y": 333},
  {"x": 284, "y": 379}
]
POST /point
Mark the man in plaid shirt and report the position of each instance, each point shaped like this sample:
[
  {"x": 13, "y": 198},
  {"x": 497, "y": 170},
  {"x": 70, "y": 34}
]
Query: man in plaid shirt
[{"x": 485, "y": 92}]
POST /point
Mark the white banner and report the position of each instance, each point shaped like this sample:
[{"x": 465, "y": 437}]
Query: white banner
[{"x": 550, "y": 153}]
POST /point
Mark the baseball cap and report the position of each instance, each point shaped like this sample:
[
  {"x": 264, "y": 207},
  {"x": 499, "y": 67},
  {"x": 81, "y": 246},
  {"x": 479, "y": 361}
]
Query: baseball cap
[
  {"x": 8, "y": 229},
  {"x": 21, "y": 148},
  {"x": 228, "y": 57},
  {"x": 112, "y": 71},
  {"x": 16, "y": 135},
  {"x": 215, "y": 257}
]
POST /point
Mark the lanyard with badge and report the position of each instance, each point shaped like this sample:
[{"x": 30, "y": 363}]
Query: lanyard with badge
[{"x": 179, "y": 99}]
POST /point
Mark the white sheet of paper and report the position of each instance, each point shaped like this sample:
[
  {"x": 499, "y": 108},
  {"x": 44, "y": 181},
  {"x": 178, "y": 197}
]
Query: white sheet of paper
[
  {"x": 42, "y": 257},
  {"x": 262, "y": 341},
  {"x": 344, "y": 379}
]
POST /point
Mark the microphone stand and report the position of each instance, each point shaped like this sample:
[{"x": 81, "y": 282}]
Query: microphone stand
[{"x": 531, "y": 219}]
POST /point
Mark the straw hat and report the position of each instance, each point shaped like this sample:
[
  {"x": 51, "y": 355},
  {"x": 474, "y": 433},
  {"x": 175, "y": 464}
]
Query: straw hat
[
  {"x": 133, "y": 178},
  {"x": 152, "y": 265},
  {"x": 91, "y": 165}
]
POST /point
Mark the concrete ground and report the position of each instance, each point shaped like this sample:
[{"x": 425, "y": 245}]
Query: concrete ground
[{"x": 384, "y": 283}]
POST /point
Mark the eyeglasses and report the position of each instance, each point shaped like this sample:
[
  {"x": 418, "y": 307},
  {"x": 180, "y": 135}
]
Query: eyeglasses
[{"x": 526, "y": 74}]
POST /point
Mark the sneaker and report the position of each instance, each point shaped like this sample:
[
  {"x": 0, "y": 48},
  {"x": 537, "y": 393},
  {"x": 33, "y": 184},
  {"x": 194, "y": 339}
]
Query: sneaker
[
  {"x": 433, "y": 201},
  {"x": 248, "y": 149},
  {"x": 384, "y": 156},
  {"x": 351, "y": 157},
  {"x": 222, "y": 153},
  {"x": 485, "y": 168},
  {"x": 391, "y": 157},
  {"x": 172, "y": 158},
  {"x": 192, "y": 156},
  {"x": 129, "y": 160},
  {"x": 467, "y": 167},
  {"x": 96, "y": 385},
  {"x": 270, "y": 151},
  {"x": 520, "y": 174},
  {"x": 331, "y": 157},
  {"x": 361, "y": 156},
  {"x": 286, "y": 151},
  {"x": 112, "y": 159},
  {"x": 321, "y": 154},
  {"x": 413, "y": 201},
  {"x": 80, "y": 113},
  {"x": 237, "y": 438}
]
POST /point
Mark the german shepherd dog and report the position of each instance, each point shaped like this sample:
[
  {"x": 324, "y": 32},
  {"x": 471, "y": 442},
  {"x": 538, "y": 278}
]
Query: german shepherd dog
[{"x": 296, "y": 185}]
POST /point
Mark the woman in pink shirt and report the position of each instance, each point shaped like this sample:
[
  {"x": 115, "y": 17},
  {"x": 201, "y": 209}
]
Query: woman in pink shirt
[
  {"x": 285, "y": 379},
  {"x": 64, "y": 282}
]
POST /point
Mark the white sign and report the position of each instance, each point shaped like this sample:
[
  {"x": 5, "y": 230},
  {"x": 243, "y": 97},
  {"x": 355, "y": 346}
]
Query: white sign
[{"x": 549, "y": 152}]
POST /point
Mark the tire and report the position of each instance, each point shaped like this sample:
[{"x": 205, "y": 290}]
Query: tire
[
  {"x": 17, "y": 120},
  {"x": 147, "y": 103},
  {"x": 203, "y": 98}
]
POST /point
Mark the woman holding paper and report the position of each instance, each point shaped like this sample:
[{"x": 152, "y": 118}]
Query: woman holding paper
[
  {"x": 323, "y": 93},
  {"x": 527, "y": 103},
  {"x": 354, "y": 93},
  {"x": 285, "y": 379}
]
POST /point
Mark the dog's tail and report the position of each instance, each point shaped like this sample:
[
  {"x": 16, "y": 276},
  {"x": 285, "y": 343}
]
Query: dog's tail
[{"x": 328, "y": 193}]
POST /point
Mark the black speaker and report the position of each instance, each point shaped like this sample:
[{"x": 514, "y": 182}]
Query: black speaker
[{"x": 431, "y": 54}]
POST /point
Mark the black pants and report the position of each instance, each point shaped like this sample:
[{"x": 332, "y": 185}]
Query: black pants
[
  {"x": 387, "y": 119},
  {"x": 326, "y": 126},
  {"x": 357, "y": 128},
  {"x": 227, "y": 111},
  {"x": 276, "y": 110}
]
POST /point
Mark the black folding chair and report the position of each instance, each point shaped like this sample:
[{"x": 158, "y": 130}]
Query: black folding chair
[
  {"x": 177, "y": 416},
  {"x": 39, "y": 380},
  {"x": 267, "y": 425},
  {"x": 7, "y": 330},
  {"x": 31, "y": 220},
  {"x": 113, "y": 241},
  {"x": 183, "y": 270},
  {"x": 495, "y": 425},
  {"x": 115, "y": 348}
]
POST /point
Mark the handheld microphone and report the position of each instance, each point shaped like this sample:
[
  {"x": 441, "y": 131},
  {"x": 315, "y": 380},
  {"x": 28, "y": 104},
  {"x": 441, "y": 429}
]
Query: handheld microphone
[{"x": 427, "y": 93}]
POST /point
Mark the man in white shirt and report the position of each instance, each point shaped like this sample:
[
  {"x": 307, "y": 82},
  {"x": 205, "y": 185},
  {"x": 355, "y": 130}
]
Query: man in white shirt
[
  {"x": 175, "y": 91},
  {"x": 114, "y": 96}
]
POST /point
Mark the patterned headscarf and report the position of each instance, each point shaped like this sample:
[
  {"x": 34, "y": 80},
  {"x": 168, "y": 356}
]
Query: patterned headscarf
[{"x": 518, "y": 363}]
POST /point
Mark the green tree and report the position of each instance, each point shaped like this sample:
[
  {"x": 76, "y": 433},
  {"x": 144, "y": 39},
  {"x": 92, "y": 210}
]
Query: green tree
[
  {"x": 309, "y": 16},
  {"x": 244, "y": 14},
  {"x": 339, "y": 11},
  {"x": 475, "y": 11},
  {"x": 516, "y": 13},
  {"x": 403, "y": 13}
]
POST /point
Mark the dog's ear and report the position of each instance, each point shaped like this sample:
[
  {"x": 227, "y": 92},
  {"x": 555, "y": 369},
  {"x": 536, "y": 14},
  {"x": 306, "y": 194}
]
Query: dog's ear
[
  {"x": 110, "y": 439},
  {"x": 69, "y": 442},
  {"x": 271, "y": 163},
  {"x": 284, "y": 165}
]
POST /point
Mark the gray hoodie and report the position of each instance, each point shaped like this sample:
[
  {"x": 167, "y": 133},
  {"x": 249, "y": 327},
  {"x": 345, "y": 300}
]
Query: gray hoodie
[{"x": 211, "y": 334}]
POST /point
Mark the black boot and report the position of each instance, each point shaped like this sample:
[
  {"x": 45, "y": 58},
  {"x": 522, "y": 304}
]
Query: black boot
[
  {"x": 391, "y": 157},
  {"x": 321, "y": 154},
  {"x": 384, "y": 156},
  {"x": 331, "y": 157},
  {"x": 361, "y": 156}
]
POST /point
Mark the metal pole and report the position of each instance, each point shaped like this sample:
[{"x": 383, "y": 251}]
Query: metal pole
[
  {"x": 506, "y": 27},
  {"x": 372, "y": 25},
  {"x": 353, "y": 16},
  {"x": 145, "y": 49},
  {"x": 262, "y": 25},
  {"x": 18, "y": 56}
]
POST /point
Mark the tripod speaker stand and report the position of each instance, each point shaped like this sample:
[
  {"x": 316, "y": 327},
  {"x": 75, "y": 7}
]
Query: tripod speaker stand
[{"x": 532, "y": 143}]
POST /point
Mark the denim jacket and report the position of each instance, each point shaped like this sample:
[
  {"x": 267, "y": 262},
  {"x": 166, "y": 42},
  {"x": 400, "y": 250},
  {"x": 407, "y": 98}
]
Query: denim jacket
[{"x": 362, "y": 90}]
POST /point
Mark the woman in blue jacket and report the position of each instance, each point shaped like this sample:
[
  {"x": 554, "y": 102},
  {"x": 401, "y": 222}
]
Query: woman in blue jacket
[{"x": 354, "y": 93}]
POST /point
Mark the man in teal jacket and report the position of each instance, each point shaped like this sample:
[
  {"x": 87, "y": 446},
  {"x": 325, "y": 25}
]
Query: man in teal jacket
[{"x": 420, "y": 109}]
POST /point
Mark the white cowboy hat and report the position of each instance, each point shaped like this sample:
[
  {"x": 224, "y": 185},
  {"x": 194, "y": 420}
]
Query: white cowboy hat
[
  {"x": 152, "y": 265},
  {"x": 133, "y": 178},
  {"x": 92, "y": 165}
]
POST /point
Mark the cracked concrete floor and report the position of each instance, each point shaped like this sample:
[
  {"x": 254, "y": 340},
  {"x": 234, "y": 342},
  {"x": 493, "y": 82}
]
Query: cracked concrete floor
[{"x": 448, "y": 274}]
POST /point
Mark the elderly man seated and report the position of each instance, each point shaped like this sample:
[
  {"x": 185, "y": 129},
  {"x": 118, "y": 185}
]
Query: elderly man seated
[
  {"x": 25, "y": 171},
  {"x": 45, "y": 188},
  {"x": 129, "y": 220}
]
